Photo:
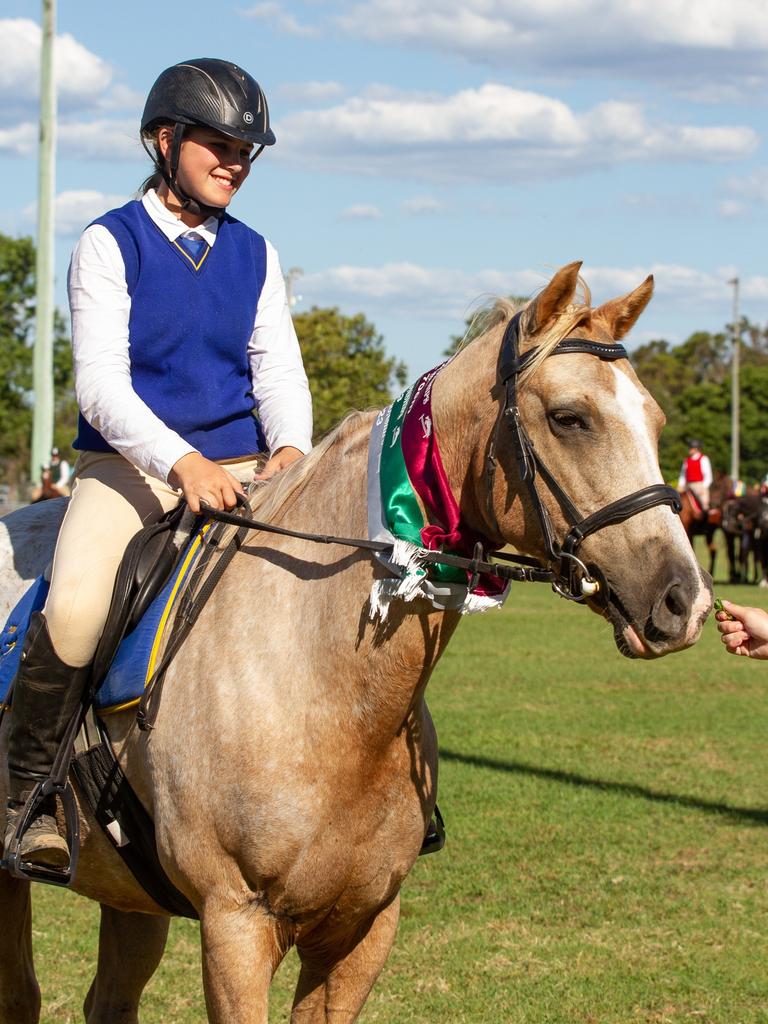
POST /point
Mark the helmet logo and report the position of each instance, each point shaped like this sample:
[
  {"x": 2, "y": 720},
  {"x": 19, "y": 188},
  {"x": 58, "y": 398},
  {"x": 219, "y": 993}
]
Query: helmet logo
[{"x": 248, "y": 117}]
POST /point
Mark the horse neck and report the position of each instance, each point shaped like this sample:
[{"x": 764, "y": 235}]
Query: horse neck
[
  {"x": 365, "y": 671},
  {"x": 465, "y": 413}
]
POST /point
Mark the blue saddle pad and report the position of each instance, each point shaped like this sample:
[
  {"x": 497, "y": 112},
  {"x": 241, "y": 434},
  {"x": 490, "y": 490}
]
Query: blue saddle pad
[
  {"x": 12, "y": 636},
  {"x": 137, "y": 655}
]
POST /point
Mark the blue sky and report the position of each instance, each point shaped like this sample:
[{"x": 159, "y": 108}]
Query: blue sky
[{"x": 431, "y": 154}]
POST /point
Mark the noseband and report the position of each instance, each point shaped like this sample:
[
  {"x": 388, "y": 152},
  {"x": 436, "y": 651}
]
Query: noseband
[{"x": 572, "y": 578}]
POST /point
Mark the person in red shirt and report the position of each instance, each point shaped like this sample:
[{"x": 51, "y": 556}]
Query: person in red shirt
[{"x": 696, "y": 475}]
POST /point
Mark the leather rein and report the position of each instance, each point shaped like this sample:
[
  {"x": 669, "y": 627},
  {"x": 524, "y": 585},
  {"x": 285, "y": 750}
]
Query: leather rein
[{"x": 568, "y": 576}]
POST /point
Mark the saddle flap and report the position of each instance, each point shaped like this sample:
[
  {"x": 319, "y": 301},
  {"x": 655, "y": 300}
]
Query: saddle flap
[{"x": 146, "y": 565}]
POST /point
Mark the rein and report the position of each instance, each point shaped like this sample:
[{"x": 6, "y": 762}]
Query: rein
[
  {"x": 570, "y": 577},
  {"x": 527, "y": 569}
]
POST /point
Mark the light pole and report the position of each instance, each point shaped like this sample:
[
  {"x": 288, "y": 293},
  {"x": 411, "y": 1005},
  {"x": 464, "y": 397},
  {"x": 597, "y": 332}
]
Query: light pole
[
  {"x": 42, "y": 365},
  {"x": 735, "y": 391},
  {"x": 290, "y": 277}
]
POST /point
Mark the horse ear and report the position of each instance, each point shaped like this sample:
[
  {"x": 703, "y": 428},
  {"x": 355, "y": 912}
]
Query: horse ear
[
  {"x": 555, "y": 297},
  {"x": 621, "y": 314}
]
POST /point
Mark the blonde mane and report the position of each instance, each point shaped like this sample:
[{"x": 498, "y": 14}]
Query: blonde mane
[{"x": 272, "y": 497}]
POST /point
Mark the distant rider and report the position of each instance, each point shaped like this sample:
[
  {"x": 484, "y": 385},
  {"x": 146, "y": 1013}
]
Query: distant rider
[{"x": 696, "y": 475}]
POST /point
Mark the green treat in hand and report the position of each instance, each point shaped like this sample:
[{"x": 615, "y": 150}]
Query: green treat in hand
[{"x": 719, "y": 607}]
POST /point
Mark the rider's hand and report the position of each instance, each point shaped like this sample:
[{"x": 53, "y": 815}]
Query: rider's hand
[
  {"x": 745, "y": 632},
  {"x": 280, "y": 459},
  {"x": 203, "y": 480}
]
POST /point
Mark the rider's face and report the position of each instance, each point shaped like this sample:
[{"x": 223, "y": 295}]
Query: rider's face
[{"x": 212, "y": 166}]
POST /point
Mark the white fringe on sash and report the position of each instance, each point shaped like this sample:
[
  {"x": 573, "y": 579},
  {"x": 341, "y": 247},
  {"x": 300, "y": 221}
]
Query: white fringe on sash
[{"x": 406, "y": 560}]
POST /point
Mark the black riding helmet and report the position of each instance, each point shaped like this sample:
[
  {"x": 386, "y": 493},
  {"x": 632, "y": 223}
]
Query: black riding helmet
[{"x": 213, "y": 94}]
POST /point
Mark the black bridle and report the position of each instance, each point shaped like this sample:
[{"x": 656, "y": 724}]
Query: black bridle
[{"x": 572, "y": 578}]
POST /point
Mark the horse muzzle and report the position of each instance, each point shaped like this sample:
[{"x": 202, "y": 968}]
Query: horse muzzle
[{"x": 671, "y": 621}]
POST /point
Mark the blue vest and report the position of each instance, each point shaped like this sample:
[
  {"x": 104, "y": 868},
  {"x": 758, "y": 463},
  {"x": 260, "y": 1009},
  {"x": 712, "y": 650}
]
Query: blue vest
[{"x": 189, "y": 328}]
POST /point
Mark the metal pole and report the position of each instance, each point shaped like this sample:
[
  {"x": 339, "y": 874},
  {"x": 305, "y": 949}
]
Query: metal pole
[
  {"x": 290, "y": 277},
  {"x": 42, "y": 368},
  {"x": 735, "y": 390}
]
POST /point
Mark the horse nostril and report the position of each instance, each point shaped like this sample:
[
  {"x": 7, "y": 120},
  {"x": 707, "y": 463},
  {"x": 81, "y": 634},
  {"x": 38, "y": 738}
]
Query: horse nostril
[
  {"x": 675, "y": 600},
  {"x": 669, "y": 617}
]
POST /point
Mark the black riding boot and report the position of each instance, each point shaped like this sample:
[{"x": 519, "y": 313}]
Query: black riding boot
[{"x": 46, "y": 694}]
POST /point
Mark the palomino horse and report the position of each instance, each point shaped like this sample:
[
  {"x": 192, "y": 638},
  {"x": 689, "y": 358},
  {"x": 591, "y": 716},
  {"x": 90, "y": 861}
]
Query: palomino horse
[{"x": 292, "y": 769}]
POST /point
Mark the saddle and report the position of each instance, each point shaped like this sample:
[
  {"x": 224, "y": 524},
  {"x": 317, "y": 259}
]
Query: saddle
[{"x": 148, "y": 562}]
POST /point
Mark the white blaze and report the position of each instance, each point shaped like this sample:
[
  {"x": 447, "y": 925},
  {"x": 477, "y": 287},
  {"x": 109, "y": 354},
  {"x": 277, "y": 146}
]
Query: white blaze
[{"x": 632, "y": 402}]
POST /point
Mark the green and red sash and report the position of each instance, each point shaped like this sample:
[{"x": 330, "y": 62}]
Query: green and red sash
[{"x": 411, "y": 505}]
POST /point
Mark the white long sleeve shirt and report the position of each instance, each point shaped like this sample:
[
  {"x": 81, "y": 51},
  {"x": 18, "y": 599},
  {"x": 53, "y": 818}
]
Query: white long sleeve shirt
[{"x": 101, "y": 307}]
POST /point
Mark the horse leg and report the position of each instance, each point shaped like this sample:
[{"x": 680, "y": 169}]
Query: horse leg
[
  {"x": 712, "y": 552},
  {"x": 334, "y": 984},
  {"x": 130, "y": 948},
  {"x": 19, "y": 991},
  {"x": 730, "y": 543},
  {"x": 242, "y": 948}
]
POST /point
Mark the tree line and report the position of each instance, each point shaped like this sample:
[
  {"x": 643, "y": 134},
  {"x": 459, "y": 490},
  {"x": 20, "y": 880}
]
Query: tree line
[{"x": 348, "y": 368}]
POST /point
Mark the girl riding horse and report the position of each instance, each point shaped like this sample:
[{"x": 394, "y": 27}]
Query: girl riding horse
[{"x": 181, "y": 330}]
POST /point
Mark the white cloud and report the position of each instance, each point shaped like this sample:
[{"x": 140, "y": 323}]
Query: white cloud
[
  {"x": 20, "y": 140},
  {"x": 82, "y": 78},
  {"x": 79, "y": 140},
  {"x": 753, "y": 187},
  {"x": 405, "y": 289},
  {"x": 75, "y": 210},
  {"x": 309, "y": 92},
  {"x": 100, "y": 140},
  {"x": 279, "y": 19},
  {"x": 733, "y": 209},
  {"x": 493, "y": 132},
  {"x": 675, "y": 38},
  {"x": 361, "y": 211},
  {"x": 420, "y": 205}
]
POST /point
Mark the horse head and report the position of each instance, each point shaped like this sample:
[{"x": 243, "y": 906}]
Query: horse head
[{"x": 564, "y": 450}]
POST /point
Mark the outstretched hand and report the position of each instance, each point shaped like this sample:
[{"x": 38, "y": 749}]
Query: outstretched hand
[
  {"x": 202, "y": 480},
  {"x": 744, "y": 630}
]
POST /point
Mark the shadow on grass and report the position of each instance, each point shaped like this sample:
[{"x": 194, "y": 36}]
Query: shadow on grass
[{"x": 754, "y": 815}]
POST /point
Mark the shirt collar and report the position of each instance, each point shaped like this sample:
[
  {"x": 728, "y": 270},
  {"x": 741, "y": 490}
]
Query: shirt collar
[{"x": 171, "y": 226}]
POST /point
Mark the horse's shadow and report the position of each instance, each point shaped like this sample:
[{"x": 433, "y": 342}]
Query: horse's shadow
[{"x": 755, "y": 815}]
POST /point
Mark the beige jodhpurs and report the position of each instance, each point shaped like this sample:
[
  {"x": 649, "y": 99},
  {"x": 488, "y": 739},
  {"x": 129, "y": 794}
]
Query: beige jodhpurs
[
  {"x": 702, "y": 493},
  {"x": 111, "y": 501}
]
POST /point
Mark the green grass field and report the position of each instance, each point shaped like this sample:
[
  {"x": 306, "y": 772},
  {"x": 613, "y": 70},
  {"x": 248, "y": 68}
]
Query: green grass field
[{"x": 607, "y": 850}]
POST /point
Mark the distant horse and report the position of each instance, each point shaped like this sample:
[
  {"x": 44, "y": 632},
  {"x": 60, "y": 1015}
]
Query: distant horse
[
  {"x": 292, "y": 769},
  {"x": 698, "y": 523},
  {"x": 47, "y": 489}
]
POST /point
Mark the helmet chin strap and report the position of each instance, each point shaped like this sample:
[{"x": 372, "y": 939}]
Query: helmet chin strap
[{"x": 188, "y": 202}]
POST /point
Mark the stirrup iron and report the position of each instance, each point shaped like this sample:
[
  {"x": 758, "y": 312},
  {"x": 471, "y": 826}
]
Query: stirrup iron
[{"x": 12, "y": 861}]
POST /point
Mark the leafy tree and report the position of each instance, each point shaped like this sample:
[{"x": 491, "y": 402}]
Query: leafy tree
[
  {"x": 346, "y": 363},
  {"x": 692, "y": 384},
  {"x": 17, "y": 320}
]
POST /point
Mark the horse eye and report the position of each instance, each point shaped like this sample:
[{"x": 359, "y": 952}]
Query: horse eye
[{"x": 564, "y": 419}]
